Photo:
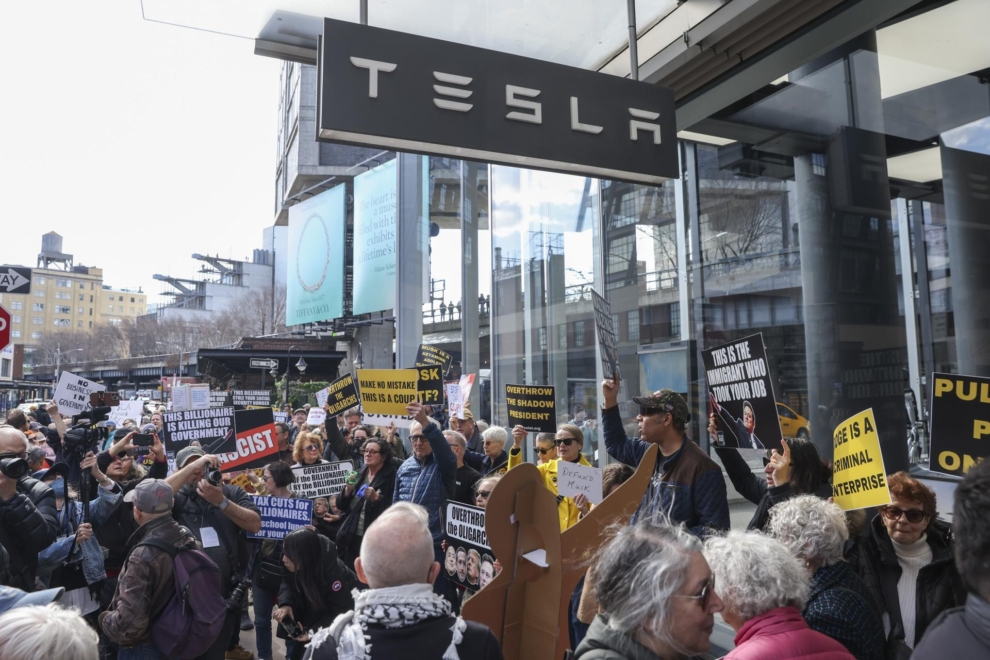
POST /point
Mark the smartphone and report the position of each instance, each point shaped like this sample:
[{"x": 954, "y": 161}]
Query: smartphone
[
  {"x": 142, "y": 440},
  {"x": 291, "y": 627}
]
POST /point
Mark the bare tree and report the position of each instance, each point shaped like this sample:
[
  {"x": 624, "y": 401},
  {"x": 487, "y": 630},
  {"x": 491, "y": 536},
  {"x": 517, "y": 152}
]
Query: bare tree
[{"x": 743, "y": 216}]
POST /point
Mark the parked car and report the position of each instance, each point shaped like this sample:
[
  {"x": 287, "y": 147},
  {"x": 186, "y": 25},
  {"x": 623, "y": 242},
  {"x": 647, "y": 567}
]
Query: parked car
[{"x": 792, "y": 424}]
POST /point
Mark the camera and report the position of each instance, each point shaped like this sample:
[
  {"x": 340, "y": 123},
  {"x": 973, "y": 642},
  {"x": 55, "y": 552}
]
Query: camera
[
  {"x": 12, "y": 466},
  {"x": 84, "y": 435},
  {"x": 236, "y": 598},
  {"x": 214, "y": 476}
]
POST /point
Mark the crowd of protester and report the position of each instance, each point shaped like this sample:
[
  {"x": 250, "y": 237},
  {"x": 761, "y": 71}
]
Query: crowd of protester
[{"x": 109, "y": 554}]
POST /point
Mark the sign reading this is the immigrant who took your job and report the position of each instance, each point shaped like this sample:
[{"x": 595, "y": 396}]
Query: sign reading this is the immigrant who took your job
[
  {"x": 960, "y": 422},
  {"x": 532, "y": 407},
  {"x": 858, "y": 476}
]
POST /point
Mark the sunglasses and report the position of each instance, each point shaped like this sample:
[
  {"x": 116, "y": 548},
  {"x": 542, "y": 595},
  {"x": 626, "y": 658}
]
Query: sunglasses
[
  {"x": 564, "y": 441},
  {"x": 311, "y": 448},
  {"x": 542, "y": 451},
  {"x": 483, "y": 494},
  {"x": 705, "y": 595},
  {"x": 894, "y": 513}
]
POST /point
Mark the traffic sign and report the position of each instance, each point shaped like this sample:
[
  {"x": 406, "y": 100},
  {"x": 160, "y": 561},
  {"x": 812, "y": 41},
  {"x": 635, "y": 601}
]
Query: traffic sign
[
  {"x": 4, "y": 327},
  {"x": 264, "y": 363},
  {"x": 15, "y": 280}
]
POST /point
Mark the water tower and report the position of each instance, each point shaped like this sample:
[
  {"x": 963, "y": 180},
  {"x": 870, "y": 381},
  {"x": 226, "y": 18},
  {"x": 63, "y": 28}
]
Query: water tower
[{"x": 51, "y": 255}]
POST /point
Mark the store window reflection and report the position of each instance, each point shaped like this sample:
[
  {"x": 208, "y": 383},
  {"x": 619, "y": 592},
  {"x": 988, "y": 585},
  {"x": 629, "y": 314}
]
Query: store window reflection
[{"x": 544, "y": 242}]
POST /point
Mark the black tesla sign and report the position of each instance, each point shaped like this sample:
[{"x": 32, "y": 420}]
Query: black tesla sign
[{"x": 407, "y": 93}]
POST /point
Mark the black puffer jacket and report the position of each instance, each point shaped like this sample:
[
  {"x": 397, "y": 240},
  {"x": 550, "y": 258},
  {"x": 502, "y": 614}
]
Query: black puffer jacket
[
  {"x": 28, "y": 525},
  {"x": 336, "y": 600},
  {"x": 939, "y": 586}
]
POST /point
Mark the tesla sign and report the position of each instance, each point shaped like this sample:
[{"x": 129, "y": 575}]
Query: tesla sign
[{"x": 407, "y": 93}]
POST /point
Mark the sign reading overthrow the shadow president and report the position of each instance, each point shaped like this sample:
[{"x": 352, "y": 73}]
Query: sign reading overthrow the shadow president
[{"x": 404, "y": 92}]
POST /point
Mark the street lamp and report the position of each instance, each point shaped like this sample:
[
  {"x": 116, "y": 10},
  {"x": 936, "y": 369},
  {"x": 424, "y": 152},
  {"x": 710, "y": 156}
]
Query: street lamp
[{"x": 300, "y": 365}]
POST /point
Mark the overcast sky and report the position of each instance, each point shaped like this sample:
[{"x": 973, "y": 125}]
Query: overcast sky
[{"x": 140, "y": 143}]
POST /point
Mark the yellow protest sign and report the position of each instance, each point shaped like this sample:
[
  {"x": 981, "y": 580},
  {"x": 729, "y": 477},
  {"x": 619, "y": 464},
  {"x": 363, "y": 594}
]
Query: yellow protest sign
[
  {"x": 387, "y": 391},
  {"x": 859, "y": 479}
]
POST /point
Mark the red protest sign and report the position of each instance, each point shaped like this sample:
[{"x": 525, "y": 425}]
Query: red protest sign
[{"x": 253, "y": 444}]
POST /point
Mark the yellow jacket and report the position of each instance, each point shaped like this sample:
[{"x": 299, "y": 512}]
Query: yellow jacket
[{"x": 567, "y": 511}]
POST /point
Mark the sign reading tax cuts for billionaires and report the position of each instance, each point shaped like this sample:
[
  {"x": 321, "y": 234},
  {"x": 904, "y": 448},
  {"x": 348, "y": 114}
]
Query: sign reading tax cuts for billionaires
[
  {"x": 72, "y": 393},
  {"x": 409, "y": 93},
  {"x": 431, "y": 355},
  {"x": 208, "y": 427},
  {"x": 341, "y": 395},
  {"x": 315, "y": 272},
  {"x": 858, "y": 477},
  {"x": 467, "y": 546},
  {"x": 741, "y": 394},
  {"x": 387, "y": 391},
  {"x": 281, "y": 515},
  {"x": 253, "y": 444},
  {"x": 960, "y": 422},
  {"x": 320, "y": 480},
  {"x": 532, "y": 407},
  {"x": 374, "y": 239}
]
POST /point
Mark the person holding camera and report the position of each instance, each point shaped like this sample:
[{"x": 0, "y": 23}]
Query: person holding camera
[
  {"x": 217, "y": 514},
  {"x": 28, "y": 521}
]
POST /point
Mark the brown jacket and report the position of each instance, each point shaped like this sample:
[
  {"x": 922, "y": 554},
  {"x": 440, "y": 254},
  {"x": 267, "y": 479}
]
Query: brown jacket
[{"x": 145, "y": 584}]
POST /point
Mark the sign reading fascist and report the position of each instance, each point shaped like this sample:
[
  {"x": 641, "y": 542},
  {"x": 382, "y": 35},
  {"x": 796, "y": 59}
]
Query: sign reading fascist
[
  {"x": 408, "y": 93},
  {"x": 960, "y": 417}
]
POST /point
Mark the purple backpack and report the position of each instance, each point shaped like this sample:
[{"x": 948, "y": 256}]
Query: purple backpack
[{"x": 194, "y": 616}]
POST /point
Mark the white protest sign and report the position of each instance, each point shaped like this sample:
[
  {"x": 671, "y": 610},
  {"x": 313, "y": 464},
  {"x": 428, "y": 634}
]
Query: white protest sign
[
  {"x": 321, "y": 396},
  {"x": 72, "y": 393},
  {"x": 180, "y": 397},
  {"x": 199, "y": 396},
  {"x": 400, "y": 421},
  {"x": 574, "y": 479},
  {"x": 316, "y": 416},
  {"x": 133, "y": 410},
  {"x": 320, "y": 480},
  {"x": 454, "y": 401}
]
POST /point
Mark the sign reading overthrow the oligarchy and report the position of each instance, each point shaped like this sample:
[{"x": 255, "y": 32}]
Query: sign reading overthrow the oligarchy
[
  {"x": 340, "y": 395},
  {"x": 467, "y": 546}
]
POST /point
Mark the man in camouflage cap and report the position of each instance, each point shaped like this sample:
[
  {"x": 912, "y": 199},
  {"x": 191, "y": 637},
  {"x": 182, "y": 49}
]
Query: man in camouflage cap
[{"x": 687, "y": 485}]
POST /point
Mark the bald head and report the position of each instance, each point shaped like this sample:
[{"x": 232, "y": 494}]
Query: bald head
[
  {"x": 12, "y": 441},
  {"x": 398, "y": 548}
]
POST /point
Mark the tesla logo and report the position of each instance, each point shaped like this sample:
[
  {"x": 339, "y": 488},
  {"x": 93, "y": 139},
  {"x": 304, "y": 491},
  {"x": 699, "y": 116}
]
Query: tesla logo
[{"x": 521, "y": 99}]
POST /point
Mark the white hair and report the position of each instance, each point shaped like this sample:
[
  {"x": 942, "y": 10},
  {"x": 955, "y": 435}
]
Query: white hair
[
  {"x": 755, "y": 573},
  {"x": 397, "y": 548},
  {"x": 456, "y": 437},
  {"x": 638, "y": 572},
  {"x": 496, "y": 433},
  {"x": 27, "y": 633},
  {"x": 813, "y": 529}
]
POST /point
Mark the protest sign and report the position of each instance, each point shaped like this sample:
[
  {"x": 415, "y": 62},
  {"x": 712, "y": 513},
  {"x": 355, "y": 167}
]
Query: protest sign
[
  {"x": 72, "y": 393},
  {"x": 316, "y": 417},
  {"x": 741, "y": 394},
  {"x": 467, "y": 546},
  {"x": 430, "y": 385},
  {"x": 400, "y": 421},
  {"x": 466, "y": 382},
  {"x": 859, "y": 479},
  {"x": 607, "y": 338},
  {"x": 574, "y": 479},
  {"x": 532, "y": 407},
  {"x": 209, "y": 427},
  {"x": 281, "y": 416},
  {"x": 244, "y": 482},
  {"x": 431, "y": 355},
  {"x": 220, "y": 399},
  {"x": 455, "y": 405},
  {"x": 132, "y": 410},
  {"x": 253, "y": 444},
  {"x": 180, "y": 398},
  {"x": 960, "y": 422},
  {"x": 199, "y": 396},
  {"x": 320, "y": 480},
  {"x": 281, "y": 515},
  {"x": 252, "y": 398},
  {"x": 341, "y": 395},
  {"x": 387, "y": 391},
  {"x": 321, "y": 397}
]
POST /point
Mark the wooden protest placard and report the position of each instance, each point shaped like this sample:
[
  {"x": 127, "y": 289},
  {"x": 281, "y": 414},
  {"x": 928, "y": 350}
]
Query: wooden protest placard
[
  {"x": 209, "y": 427},
  {"x": 960, "y": 422},
  {"x": 430, "y": 385},
  {"x": 320, "y": 480},
  {"x": 431, "y": 355},
  {"x": 741, "y": 394},
  {"x": 467, "y": 546},
  {"x": 859, "y": 479},
  {"x": 341, "y": 395},
  {"x": 281, "y": 515},
  {"x": 72, "y": 393},
  {"x": 252, "y": 398},
  {"x": 253, "y": 444},
  {"x": 387, "y": 391},
  {"x": 608, "y": 344},
  {"x": 574, "y": 479},
  {"x": 532, "y": 407}
]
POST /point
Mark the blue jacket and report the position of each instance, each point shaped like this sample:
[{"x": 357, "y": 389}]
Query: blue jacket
[
  {"x": 687, "y": 486},
  {"x": 88, "y": 552},
  {"x": 429, "y": 482},
  {"x": 839, "y": 605}
]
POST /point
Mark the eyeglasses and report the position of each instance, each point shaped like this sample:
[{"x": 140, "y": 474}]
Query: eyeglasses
[
  {"x": 417, "y": 438},
  {"x": 371, "y": 452},
  {"x": 912, "y": 515},
  {"x": 705, "y": 595},
  {"x": 483, "y": 494},
  {"x": 647, "y": 411},
  {"x": 266, "y": 477},
  {"x": 453, "y": 446},
  {"x": 489, "y": 442},
  {"x": 311, "y": 448},
  {"x": 564, "y": 441},
  {"x": 542, "y": 451}
]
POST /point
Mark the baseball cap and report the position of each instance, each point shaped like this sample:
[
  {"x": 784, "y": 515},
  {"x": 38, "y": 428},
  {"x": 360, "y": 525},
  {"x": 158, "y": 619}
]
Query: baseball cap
[
  {"x": 465, "y": 414},
  {"x": 35, "y": 426},
  {"x": 149, "y": 428},
  {"x": 106, "y": 424},
  {"x": 151, "y": 496},
  {"x": 668, "y": 400},
  {"x": 184, "y": 455},
  {"x": 11, "y": 597}
]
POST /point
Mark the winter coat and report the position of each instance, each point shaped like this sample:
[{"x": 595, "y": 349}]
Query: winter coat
[
  {"x": 783, "y": 634},
  {"x": 567, "y": 511},
  {"x": 485, "y": 465},
  {"x": 961, "y": 633},
  {"x": 88, "y": 553},
  {"x": 756, "y": 490},
  {"x": 603, "y": 643},
  {"x": 384, "y": 483},
  {"x": 687, "y": 485},
  {"x": 338, "y": 448},
  {"x": 339, "y": 579},
  {"x": 28, "y": 525},
  {"x": 146, "y": 583},
  {"x": 840, "y": 606},
  {"x": 430, "y": 481},
  {"x": 938, "y": 587}
]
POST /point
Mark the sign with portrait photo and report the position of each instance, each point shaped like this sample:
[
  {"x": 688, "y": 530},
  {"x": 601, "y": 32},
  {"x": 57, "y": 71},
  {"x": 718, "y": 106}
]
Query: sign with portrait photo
[{"x": 468, "y": 560}]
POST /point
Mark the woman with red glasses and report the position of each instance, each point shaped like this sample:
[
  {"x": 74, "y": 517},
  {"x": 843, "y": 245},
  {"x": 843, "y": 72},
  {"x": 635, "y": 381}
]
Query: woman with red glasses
[
  {"x": 906, "y": 561},
  {"x": 568, "y": 441}
]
